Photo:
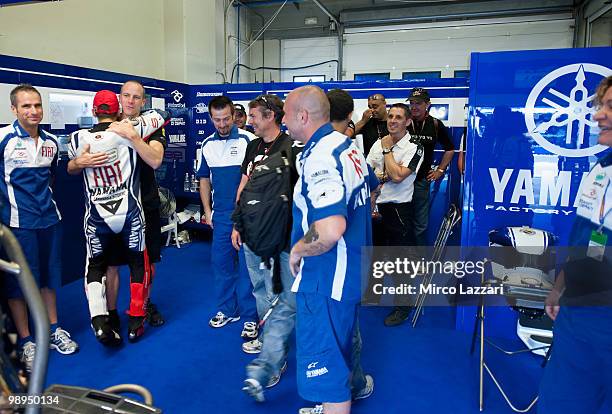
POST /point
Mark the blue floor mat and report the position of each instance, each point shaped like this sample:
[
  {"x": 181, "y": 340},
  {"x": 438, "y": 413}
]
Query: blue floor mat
[{"x": 192, "y": 368}]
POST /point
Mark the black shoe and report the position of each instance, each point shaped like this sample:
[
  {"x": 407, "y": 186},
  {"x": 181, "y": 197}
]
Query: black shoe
[
  {"x": 154, "y": 317},
  {"x": 113, "y": 319},
  {"x": 135, "y": 328},
  {"x": 397, "y": 317},
  {"x": 105, "y": 334}
]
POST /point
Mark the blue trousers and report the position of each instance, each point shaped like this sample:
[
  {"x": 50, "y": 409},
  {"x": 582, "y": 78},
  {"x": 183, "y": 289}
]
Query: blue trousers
[
  {"x": 232, "y": 285},
  {"x": 328, "y": 349},
  {"x": 281, "y": 323},
  {"x": 42, "y": 251},
  {"x": 578, "y": 377}
]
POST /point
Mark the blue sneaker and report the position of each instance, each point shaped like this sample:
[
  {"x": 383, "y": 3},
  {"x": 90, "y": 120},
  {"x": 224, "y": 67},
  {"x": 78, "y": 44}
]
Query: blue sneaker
[{"x": 60, "y": 341}]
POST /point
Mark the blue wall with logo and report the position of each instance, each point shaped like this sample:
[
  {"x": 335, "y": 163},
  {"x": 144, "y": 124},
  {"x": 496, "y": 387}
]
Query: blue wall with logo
[
  {"x": 68, "y": 189},
  {"x": 530, "y": 140},
  {"x": 191, "y": 124}
]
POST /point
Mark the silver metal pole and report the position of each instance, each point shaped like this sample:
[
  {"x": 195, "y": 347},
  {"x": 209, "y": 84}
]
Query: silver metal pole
[{"x": 19, "y": 267}]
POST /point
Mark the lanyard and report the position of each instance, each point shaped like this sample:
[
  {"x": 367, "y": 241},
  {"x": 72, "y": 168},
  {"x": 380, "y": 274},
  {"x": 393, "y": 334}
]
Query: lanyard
[
  {"x": 602, "y": 216},
  {"x": 413, "y": 124},
  {"x": 377, "y": 123}
]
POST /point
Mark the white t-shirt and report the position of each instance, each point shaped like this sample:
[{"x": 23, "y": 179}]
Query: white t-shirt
[{"x": 410, "y": 155}]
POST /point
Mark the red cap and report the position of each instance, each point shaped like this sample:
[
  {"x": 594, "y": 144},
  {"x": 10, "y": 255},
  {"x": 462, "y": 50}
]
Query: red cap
[{"x": 106, "y": 97}]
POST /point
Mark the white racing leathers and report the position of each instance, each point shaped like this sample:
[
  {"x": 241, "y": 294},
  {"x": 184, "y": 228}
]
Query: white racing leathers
[{"x": 113, "y": 211}]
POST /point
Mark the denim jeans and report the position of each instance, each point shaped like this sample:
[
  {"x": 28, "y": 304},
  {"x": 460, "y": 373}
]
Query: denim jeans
[
  {"x": 420, "y": 208},
  {"x": 261, "y": 279},
  {"x": 279, "y": 325}
]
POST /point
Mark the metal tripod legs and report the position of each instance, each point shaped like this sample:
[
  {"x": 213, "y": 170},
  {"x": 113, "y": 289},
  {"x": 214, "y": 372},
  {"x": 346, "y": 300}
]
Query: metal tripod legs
[{"x": 452, "y": 217}]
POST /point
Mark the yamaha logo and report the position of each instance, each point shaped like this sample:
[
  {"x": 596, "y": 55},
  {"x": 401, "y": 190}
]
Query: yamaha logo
[
  {"x": 176, "y": 95},
  {"x": 559, "y": 110}
]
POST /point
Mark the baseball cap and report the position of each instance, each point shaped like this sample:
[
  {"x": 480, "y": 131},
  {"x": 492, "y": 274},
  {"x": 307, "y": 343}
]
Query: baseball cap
[
  {"x": 239, "y": 108},
  {"x": 106, "y": 97},
  {"x": 419, "y": 93}
]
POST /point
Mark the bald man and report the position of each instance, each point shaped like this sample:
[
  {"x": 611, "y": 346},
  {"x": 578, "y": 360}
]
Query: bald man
[
  {"x": 331, "y": 210},
  {"x": 373, "y": 122}
]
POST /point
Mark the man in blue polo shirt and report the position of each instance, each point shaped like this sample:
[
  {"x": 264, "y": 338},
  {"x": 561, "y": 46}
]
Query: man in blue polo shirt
[
  {"x": 331, "y": 222},
  {"x": 219, "y": 174},
  {"x": 578, "y": 377},
  {"x": 28, "y": 160}
]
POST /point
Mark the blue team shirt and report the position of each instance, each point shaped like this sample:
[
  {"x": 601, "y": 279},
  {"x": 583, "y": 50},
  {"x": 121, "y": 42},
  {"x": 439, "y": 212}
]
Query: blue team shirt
[
  {"x": 334, "y": 180},
  {"x": 26, "y": 168},
  {"x": 221, "y": 161},
  {"x": 594, "y": 204}
]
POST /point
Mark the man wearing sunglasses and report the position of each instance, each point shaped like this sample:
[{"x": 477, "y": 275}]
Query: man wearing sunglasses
[{"x": 265, "y": 115}]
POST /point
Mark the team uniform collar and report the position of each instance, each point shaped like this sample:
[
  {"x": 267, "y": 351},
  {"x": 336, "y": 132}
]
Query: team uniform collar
[
  {"x": 232, "y": 135},
  {"x": 22, "y": 133},
  {"x": 102, "y": 126},
  {"x": 323, "y": 131}
]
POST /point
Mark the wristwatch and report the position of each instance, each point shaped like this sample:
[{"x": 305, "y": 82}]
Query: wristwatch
[{"x": 386, "y": 151}]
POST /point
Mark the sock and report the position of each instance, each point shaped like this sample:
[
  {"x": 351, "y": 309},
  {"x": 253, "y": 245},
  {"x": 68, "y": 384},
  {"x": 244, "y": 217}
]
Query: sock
[
  {"x": 53, "y": 327},
  {"x": 21, "y": 341}
]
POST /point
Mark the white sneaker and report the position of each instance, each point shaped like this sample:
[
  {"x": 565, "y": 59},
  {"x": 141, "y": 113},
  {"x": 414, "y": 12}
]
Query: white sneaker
[
  {"x": 250, "y": 330},
  {"x": 26, "y": 355},
  {"x": 60, "y": 341},
  {"x": 312, "y": 410},
  {"x": 254, "y": 389},
  {"x": 367, "y": 390},
  {"x": 252, "y": 347},
  {"x": 220, "y": 320}
]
